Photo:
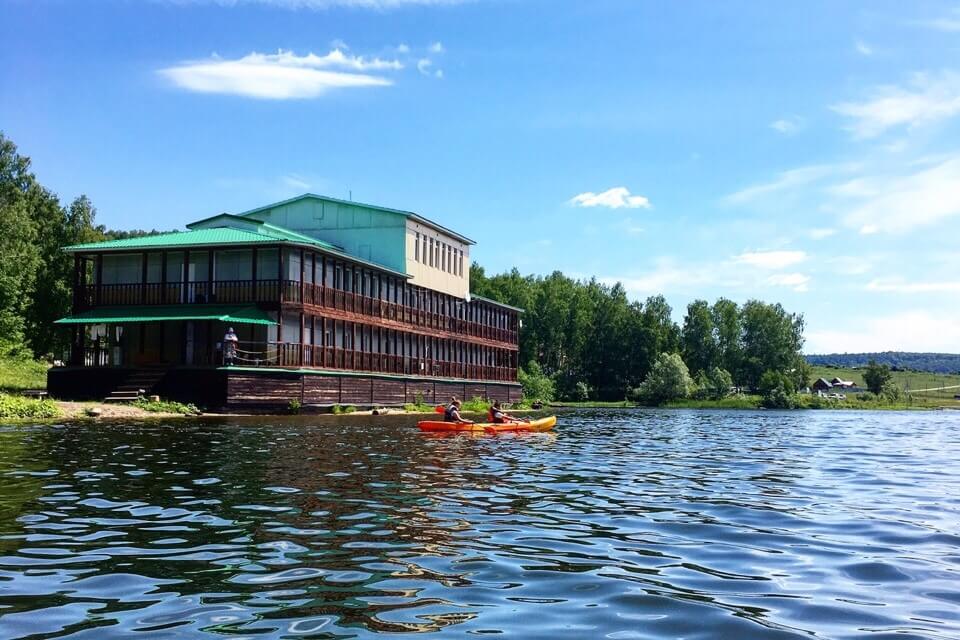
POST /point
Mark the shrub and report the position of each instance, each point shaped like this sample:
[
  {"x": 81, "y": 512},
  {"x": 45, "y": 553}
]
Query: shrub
[
  {"x": 777, "y": 390},
  {"x": 536, "y": 384},
  {"x": 294, "y": 406},
  {"x": 669, "y": 379},
  {"x": 19, "y": 407},
  {"x": 166, "y": 406},
  {"x": 891, "y": 392},
  {"x": 714, "y": 384},
  {"x": 581, "y": 392}
]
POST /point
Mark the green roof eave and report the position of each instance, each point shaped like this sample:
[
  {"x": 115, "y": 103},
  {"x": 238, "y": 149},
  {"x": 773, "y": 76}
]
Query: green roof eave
[
  {"x": 496, "y": 302},
  {"x": 236, "y": 314}
]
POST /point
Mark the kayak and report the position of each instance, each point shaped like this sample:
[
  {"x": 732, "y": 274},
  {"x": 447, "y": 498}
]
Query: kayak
[{"x": 543, "y": 424}]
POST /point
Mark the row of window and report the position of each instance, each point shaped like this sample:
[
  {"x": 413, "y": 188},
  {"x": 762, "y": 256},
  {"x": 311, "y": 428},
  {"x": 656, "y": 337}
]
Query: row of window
[{"x": 440, "y": 255}]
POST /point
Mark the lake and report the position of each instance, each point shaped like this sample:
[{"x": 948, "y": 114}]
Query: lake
[{"x": 628, "y": 524}]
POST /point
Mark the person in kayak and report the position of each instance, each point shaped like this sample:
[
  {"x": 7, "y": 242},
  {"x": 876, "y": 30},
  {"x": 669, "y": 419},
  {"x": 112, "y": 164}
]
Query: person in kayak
[
  {"x": 452, "y": 413},
  {"x": 497, "y": 415}
]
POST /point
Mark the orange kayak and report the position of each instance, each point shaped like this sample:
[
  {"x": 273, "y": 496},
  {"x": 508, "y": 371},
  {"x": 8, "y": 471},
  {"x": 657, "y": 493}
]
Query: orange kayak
[{"x": 543, "y": 424}]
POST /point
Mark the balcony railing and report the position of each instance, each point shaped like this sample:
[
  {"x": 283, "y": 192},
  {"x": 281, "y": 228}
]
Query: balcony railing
[
  {"x": 293, "y": 354},
  {"x": 254, "y": 291}
]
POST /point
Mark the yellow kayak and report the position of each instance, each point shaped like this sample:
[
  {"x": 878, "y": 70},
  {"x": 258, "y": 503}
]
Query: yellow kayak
[{"x": 436, "y": 426}]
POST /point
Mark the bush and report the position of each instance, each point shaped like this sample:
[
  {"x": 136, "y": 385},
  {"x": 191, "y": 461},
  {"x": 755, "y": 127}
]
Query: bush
[
  {"x": 714, "y": 385},
  {"x": 669, "y": 379},
  {"x": 166, "y": 406},
  {"x": 581, "y": 392},
  {"x": 777, "y": 390},
  {"x": 294, "y": 406},
  {"x": 891, "y": 392},
  {"x": 19, "y": 407},
  {"x": 536, "y": 384}
]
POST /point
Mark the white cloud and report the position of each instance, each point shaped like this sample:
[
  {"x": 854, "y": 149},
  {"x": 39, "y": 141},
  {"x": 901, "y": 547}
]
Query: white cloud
[
  {"x": 819, "y": 234},
  {"x": 900, "y": 285},
  {"x": 930, "y": 97},
  {"x": 787, "y": 126},
  {"x": 849, "y": 265},
  {"x": 615, "y": 198},
  {"x": 280, "y": 76},
  {"x": 916, "y": 330},
  {"x": 403, "y": 48},
  {"x": 437, "y": 47},
  {"x": 949, "y": 22},
  {"x": 886, "y": 203},
  {"x": 863, "y": 48},
  {"x": 425, "y": 67},
  {"x": 786, "y": 181},
  {"x": 770, "y": 259},
  {"x": 796, "y": 281}
]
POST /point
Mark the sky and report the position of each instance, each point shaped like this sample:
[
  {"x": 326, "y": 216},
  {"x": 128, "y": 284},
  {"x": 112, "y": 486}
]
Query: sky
[{"x": 802, "y": 153}]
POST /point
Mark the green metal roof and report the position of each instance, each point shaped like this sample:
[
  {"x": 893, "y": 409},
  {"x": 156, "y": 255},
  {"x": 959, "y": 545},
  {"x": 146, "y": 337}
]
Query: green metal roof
[
  {"x": 237, "y": 314},
  {"x": 199, "y": 237},
  {"x": 407, "y": 214}
]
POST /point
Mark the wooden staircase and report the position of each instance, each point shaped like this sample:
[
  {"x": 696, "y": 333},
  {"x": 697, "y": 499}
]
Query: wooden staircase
[{"x": 139, "y": 383}]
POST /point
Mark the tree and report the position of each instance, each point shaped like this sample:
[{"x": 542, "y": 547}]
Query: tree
[
  {"x": 699, "y": 338},
  {"x": 876, "y": 376},
  {"x": 536, "y": 385},
  {"x": 771, "y": 341},
  {"x": 715, "y": 384},
  {"x": 776, "y": 390},
  {"x": 726, "y": 323},
  {"x": 668, "y": 380}
]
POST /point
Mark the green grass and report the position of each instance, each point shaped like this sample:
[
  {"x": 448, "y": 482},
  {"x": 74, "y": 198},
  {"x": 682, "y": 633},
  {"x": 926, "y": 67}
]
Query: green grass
[
  {"x": 909, "y": 381},
  {"x": 20, "y": 407},
  {"x": 741, "y": 401},
  {"x": 166, "y": 406},
  {"x": 18, "y": 374},
  {"x": 596, "y": 404}
]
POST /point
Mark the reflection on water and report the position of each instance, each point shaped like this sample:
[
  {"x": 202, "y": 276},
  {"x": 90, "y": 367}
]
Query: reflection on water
[{"x": 639, "y": 524}]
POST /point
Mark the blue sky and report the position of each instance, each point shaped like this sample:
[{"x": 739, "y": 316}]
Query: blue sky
[{"x": 806, "y": 153}]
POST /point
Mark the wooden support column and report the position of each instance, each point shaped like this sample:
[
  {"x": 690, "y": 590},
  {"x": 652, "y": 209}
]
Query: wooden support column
[
  {"x": 254, "y": 294},
  {"x": 99, "y": 269},
  {"x": 281, "y": 276},
  {"x": 163, "y": 277},
  {"x": 144, "y": 258},
  {"x": 302, "y": 265},
  {"x": 76, "y": 282},
  {"x": 302, "y": 341},
  {"x": 210, "y": 266}
]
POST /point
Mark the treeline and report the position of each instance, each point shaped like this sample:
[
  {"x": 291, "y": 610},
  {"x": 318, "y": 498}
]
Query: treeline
[
  {"x": 896, "y": 360},
  {"x": 36, "y": 277},
  {"x": 594, "y": 343}
]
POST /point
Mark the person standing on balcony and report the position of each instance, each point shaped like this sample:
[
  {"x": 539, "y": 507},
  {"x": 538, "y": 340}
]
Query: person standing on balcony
[{"x": 230, "y": 341}]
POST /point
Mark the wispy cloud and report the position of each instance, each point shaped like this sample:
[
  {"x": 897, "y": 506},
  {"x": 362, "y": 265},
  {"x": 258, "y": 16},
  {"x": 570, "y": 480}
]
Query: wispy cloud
[
  {"x": 821, "y": 233},
  {"x": 787, "y": 126},
  {"x": 771, "y": 259},
  {"x": 425, "y": 67},
  {"x": 929, "y": 97},
  {"x": 280, "y": 76},
  {"x": 863, "y": 48},
  {"x": 786, "y": 181},
  {"x": 615, "y": 198},
  {"x": 949, "y": 22},
  {"x": 901, "y": 285},
  {"x": 916, "y": 330},
  {"x": 796, "y": 281},
  {"x": 885, "y": 203},
  {"x": 437, "y": 47}
]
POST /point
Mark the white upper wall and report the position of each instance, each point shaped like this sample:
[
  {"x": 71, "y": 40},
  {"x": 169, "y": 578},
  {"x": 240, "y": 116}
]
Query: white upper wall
[{"x": 436, "y": 260}]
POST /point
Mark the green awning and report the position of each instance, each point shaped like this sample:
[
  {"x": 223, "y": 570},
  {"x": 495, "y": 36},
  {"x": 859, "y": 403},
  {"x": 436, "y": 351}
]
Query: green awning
[{"x": 236, "y": 314}]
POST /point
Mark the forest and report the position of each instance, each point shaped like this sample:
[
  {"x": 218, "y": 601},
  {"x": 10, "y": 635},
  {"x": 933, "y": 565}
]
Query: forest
[{"x": 580, "y": 340}]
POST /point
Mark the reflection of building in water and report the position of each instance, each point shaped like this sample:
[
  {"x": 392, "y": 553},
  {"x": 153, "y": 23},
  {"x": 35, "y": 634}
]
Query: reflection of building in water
[{"x": 333, "y": 302}]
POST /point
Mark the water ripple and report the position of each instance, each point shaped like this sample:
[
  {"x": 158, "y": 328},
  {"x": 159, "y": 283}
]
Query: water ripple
[{"x": 623, "y": 525}]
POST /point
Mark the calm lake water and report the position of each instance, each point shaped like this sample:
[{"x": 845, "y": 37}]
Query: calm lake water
[{"x": 628, "y": 524}]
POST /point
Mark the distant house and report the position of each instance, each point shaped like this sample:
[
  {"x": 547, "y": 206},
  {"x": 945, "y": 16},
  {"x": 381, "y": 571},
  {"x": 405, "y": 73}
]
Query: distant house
[
  {"x": 822, "y": 384},
  {"x": 843, "y": 384}
]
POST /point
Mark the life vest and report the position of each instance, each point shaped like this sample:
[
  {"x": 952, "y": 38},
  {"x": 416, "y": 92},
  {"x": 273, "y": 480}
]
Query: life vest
[
  {"x": 448, "y": 413},
  {"x": 490, "y": 417},
  {"x": 496, "y": 416}
]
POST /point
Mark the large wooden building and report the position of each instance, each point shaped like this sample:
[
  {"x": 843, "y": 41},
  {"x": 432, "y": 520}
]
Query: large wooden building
[{"x": 333, "y": 302}]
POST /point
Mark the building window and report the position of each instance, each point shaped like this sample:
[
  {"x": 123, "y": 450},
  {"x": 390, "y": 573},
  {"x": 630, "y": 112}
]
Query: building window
[
  {"x": 416, "y": 248},
  {"x": 443, "y": 256},
  {"x": 424, "y": 250},
  {"x": 431, "y": 252},
  {"x": 461, "y": 263}
]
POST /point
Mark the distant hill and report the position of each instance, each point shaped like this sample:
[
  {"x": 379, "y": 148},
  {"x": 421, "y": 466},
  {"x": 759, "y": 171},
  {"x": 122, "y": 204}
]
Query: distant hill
[{"x": 897, "y": 360}]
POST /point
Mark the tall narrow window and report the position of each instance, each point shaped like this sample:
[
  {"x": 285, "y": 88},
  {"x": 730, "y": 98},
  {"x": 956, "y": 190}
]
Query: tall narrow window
[
  {"x": 424, "y": 250},
  {"x": 443, "y": 256},
  {"x": 416, "y": 248},
  {"x": 431, "y": 252}
]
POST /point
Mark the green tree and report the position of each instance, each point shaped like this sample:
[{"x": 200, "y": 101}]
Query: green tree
[
  {"x": 771, "y": 341},
  {"x": 777, "y": 390},
  {"x": 726, "y": 322},
  {"x": 715, "y": 384},
  {"x": 876, "y": 376},
  {"x": 699, "y": 339},
  {"x": 668, "y": 380},
  {"x": 536, "y": 384}
]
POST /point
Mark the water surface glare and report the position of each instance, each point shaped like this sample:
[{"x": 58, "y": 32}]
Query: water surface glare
[{"x": 623, "y": 525}]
